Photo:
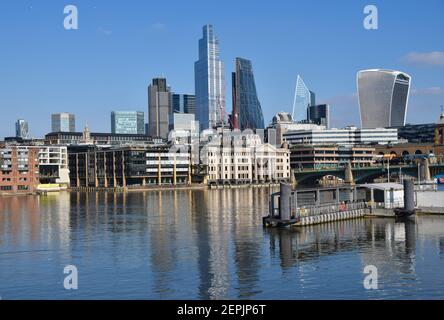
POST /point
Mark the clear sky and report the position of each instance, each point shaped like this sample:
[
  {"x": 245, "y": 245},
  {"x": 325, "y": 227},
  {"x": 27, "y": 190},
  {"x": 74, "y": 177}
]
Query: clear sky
[{"x": 120, "y": 46}]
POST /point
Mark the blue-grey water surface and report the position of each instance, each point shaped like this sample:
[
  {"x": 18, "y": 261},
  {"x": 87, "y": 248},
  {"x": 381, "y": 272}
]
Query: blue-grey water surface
[{"x": 206, "y": 244}]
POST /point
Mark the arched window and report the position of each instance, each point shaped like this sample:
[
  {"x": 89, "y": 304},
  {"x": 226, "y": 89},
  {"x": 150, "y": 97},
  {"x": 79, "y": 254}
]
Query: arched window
[
  {"x": 418, "y": 152},
  {"x": 405, "y": 153}
]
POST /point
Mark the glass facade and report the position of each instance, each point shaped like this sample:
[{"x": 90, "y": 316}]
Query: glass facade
[
  {"x": 383, "y": 98},
  {"x": 63, "y": 122},
  {"x": 302, "y": 100},
  {"x": 127, "y": 122},
  {"x": 319, "y": 114},
  {"x": 209, "y": 82},
  {"x": 183, "y": 103},
  {"x": 248, "y": 107},
  {"x": 21, "y": 129}
]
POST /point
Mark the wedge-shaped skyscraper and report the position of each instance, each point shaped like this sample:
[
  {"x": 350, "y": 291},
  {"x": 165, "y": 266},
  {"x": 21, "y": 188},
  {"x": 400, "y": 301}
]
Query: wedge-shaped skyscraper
[
  {"x": 383, "y": 97},
  {"x": 247, "y": 110},
  {"x": 303, "y": 98}
]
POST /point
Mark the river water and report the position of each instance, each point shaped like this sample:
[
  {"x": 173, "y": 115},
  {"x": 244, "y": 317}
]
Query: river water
[{"x": 207, "y": 244}]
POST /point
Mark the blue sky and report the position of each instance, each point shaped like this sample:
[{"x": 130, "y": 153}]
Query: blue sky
[{"x": 120, "y": 46}]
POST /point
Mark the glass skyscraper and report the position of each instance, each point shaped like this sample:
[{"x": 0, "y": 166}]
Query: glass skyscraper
[
  {"x": 209, "y": 82},
  {"x": 128, "y": 122},
  {"x": 247, "y": 110},
  {"x": 21, "y": 129},
  {"x": 302, "y": 100},
  {"x": 183, "y": 103},
  {"x": 63, "y": 122},
  {"x": 383, "y": 97}
]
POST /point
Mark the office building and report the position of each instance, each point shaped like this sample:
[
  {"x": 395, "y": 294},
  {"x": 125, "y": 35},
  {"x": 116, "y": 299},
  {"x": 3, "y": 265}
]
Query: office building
[
  {"x": 77, "y": 138},
  {"x": 183, "y": 103},
  {"x": 302, "y": 100},
  {"x": 21, "y": 129},
  {"x": 321, "y": 157},
  {"x": 283, "y": 122},
  {"x": 247, "y": 110},
  {"x": 383, "y": 97},
  {"x": 159, "y": 108},
  {"x": 346, "y": 136},
  {"x": 319, "y": 114},
  {"x": 241, "y": 157},
  {"x": 127, "y": 166},
  {"x": 128, "y": 122},
  {"x": 63, "y": 122},
  {"x": 209, "y": 82}
]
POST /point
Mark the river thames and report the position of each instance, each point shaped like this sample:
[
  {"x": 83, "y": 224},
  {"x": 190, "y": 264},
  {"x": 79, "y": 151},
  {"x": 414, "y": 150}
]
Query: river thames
[{"x": 207, "y": 244}]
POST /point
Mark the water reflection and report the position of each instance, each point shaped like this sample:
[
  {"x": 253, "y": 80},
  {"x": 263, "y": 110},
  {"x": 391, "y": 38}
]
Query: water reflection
[{"x": 207, "y": 244}]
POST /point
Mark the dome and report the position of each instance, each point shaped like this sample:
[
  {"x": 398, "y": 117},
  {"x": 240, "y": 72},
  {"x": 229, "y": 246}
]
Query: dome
[{"x": 282, "y": 117}]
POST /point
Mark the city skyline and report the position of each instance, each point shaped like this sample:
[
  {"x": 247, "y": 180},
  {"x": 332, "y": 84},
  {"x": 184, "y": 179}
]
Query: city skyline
[{"x": 405, "y": 49}]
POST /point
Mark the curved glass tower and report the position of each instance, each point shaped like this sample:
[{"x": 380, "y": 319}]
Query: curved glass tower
[
  {"x": 209, "y": 82},
  {"x": 383, "y": 97},
  {"x": 247, "y": 108}
]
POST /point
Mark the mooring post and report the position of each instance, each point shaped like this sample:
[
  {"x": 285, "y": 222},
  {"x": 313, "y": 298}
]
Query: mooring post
[
  {"x": 409, "y": 195},
  {"x": 284, "y": 201}
]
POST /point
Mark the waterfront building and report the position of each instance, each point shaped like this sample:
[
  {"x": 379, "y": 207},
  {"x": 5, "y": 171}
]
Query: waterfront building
[
  {"x": 319, "y": 114},
  {"x": 128, "y": 122},
  {"x": 383, "y": 97},
  {"x": 330, "y": 156},
  {"x": 21, "y": 129},
  {"x": 19, "y": 169},
  {"x": 247, "y": 110},
  {"x": 63, "y": 122},
  {"x": 76, "y": 138},
  {"x": 209, "y": 82},
  {"x": 283, "y": 122},
  {"x": 127, "y": 166},
  {"x": 159, "y": 108},
  {"x": 241, "y": 157},
  {"x": 183, "y": 103},
  {"x": 302, "y": 100},
  {"x": 345, "y": 136},
  {"x": 53, "y": 164}
]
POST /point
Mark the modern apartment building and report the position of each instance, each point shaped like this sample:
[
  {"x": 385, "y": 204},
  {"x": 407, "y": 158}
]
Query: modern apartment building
[
  {"x": 19, "y": 169},
  {"x": 383, "y": 97}
]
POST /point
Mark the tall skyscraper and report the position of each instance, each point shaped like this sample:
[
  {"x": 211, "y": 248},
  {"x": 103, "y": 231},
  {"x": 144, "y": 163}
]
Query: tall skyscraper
[
  {"x": 159, "y": 108},
  {"x": 319, "y": 114},
  {"x": 209, "y": 81},
  {"x": 63, "y": 122},
  {"x": 302, "y": 100},
  {"x": 21, "y": 129},
  {"x": 128, "y": 122},
  {"x": 383, "y": 97},
  {"x": 247, "y": 110},
  {"x": 184, "y": 103}
]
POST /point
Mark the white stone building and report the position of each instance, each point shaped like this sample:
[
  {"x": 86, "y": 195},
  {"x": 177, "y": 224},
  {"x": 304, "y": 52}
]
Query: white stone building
[{"x": 236, "y": 158}]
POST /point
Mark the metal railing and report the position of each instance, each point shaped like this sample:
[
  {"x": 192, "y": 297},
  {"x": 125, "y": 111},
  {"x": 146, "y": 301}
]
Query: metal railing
[{"x": 329, "y": 208}]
